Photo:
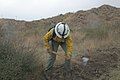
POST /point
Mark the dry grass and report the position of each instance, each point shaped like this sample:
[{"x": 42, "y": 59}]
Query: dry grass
[
  {"x": 26, "y": 47},
  {"x": 19, "y": 62}
]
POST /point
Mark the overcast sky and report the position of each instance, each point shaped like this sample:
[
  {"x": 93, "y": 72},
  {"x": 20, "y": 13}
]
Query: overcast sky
[{"x": 38, "y": 9}]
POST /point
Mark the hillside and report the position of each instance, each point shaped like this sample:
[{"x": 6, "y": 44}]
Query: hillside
[
  {"x": 95, "y": 18},
  {"x": 97, "y": 29}
]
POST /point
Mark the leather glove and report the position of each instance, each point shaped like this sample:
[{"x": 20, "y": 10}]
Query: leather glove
[{"x": 68, "y": 56}]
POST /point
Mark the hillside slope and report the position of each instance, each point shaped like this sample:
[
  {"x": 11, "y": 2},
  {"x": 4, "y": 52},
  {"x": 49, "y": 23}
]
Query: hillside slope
[{"x": 97, "y": 29}]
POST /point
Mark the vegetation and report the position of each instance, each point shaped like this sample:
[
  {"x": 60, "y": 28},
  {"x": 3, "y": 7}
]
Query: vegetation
[
  {"x": 17, "y": 63},
  {"x": 22, "y": 55}
]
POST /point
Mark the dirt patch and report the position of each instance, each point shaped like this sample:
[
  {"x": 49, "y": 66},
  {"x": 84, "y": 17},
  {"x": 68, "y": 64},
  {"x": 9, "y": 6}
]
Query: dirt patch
[{"x": 102, "y": 62}]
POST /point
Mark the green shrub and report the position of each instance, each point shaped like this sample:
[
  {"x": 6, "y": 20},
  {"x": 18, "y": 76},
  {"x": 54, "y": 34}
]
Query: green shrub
[{"x": 15, "y": 64}]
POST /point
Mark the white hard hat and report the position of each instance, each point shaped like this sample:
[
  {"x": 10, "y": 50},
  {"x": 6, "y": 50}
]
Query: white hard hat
[{"x": 62, "y": 30}]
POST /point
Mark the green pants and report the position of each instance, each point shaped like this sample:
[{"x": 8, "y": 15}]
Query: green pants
[{"x": 52, "y": 57}]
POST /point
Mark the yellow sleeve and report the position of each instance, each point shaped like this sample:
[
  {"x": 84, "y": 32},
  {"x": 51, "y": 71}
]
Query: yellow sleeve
[
  {"x": 69, "y": 44},
  {"x": 46, "y": 39}
]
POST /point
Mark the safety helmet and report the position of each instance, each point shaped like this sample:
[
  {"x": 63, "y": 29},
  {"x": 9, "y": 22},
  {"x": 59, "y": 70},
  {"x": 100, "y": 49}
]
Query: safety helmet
[{"x": 62, "y": 30}]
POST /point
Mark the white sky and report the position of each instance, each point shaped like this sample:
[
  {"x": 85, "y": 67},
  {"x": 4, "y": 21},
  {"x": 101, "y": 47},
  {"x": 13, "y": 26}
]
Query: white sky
[{"x": 38, "y": 9}]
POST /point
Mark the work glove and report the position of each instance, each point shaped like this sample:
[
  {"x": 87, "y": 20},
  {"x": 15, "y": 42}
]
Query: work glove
[{"x": 68, "y": 56}]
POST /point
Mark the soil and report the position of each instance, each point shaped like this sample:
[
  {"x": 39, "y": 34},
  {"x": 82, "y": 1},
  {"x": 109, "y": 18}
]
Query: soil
[{"x": 103, "y": 60}]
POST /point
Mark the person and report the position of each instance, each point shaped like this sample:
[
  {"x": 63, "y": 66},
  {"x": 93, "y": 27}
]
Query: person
[{"x": 59, "y": 35}]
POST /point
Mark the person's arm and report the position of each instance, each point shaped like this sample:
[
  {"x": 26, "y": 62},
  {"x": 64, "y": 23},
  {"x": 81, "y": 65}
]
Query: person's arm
[
  {"x": 46, "y": 39},
  {"x": 69, "y": 44}
]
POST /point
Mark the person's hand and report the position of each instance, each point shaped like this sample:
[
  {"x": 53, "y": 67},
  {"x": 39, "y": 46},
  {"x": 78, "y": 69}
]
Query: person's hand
[{"x": 68, "y": 56}]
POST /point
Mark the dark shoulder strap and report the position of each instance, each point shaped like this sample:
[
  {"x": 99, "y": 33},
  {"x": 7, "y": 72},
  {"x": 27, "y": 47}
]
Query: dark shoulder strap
[{"x": 53, "y": 36}]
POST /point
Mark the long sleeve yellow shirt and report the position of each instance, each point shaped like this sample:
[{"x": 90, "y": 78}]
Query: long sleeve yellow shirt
[{"x": 48, "y": 36}]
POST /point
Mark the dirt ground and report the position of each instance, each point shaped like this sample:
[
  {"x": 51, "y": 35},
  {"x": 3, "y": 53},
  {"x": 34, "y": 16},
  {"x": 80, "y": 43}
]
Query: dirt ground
[{"x": 103, "y": 60}]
